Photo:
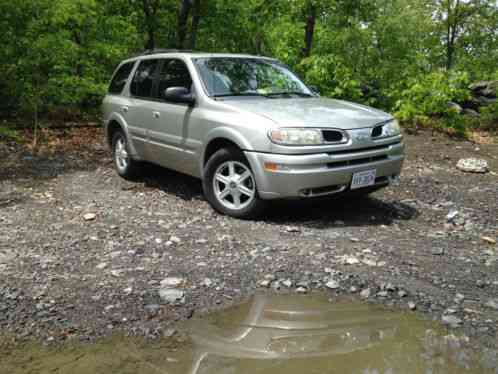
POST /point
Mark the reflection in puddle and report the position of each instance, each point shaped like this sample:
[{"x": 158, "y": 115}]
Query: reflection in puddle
[{"x": 275, "y": 334}]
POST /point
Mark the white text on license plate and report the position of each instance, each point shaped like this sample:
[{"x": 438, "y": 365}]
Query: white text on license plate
[{"x": 363, "y": 179}]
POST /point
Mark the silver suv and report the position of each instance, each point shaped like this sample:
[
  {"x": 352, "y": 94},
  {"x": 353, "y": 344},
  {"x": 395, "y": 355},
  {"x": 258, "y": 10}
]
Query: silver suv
[{"x": 248, "y": 127}]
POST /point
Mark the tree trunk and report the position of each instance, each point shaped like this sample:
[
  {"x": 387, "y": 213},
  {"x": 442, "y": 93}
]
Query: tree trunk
[
  {"x": 183, "y": 14},
  {"x": 309, "y": 30},
  {"x": 196, "y": 17},
  {"x": 150, "y": 9}
]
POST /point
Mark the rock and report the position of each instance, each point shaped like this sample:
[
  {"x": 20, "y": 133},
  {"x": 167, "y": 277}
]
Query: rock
[
  {"x": 459, "y": 298},
  {"x": 472, "y": 165},
  {"x": 365, "y": 293},
  {"x": 485, "y": 88},
  {"x": 207, "y": 282},
  {"x": 301, "y": 290},
  {"x": 265, "y": 283},
  {"x": 332, "y": 284},
  {"x": 292, "y": 229},
  {"x": 152, "y": 309},
  {"x": 175, "y": 239},
  {"x": 453, "y": 213},
  {"x": 450, "y": 320},
  {"x": 402, "y": 293},
  {"x": 89, "y": 216},
  {"x": 172, "y": 296},
  {"x": 488, "y": 239},
  {"x": 438, "y": 251},
  {"x": 412, "y": 305},
  {"x": 493, "y": 304},
  {"x": 471, "y": 112},
  {"x": 455, "y": 107},
  {"x": 350, "y": 260},
  {"x": 172, "y": 282},
  {"x": 101, "y": 266},
  {"x": 287, "y": 283}
]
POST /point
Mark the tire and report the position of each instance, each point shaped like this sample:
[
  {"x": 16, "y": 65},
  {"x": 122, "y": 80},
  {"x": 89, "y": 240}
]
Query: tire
[
  {"x": 124, "y": 164},
  {"x": 227, "y": 174}
]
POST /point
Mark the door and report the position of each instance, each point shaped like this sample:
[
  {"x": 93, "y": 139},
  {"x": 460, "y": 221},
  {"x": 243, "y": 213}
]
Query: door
[
  {"x": 165, "y": 133},
  {"x": 138, "y": 113}
]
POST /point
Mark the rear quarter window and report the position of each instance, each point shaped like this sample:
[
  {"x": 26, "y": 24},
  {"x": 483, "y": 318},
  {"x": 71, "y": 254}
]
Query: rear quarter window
[{"x": 119, "y": 80}]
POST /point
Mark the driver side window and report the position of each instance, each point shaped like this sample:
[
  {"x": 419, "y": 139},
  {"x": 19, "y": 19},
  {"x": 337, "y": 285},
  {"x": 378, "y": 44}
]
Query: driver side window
[{"x": 174, "y": 73}]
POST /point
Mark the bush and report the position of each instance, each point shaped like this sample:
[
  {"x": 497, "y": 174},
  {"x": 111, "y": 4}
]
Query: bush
[{"x": 430, "y": 98}]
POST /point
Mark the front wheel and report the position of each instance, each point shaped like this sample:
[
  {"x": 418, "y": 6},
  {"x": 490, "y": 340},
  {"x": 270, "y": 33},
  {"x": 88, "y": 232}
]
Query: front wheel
[{"x": 229, "y": 185}]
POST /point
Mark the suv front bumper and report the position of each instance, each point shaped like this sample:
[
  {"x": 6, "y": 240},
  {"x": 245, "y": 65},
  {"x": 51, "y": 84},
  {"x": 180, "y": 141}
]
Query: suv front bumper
[{"x": 322, "y": 174}]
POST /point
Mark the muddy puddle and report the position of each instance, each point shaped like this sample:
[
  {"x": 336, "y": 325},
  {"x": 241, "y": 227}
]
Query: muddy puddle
[{"x": 272, "y": 334}]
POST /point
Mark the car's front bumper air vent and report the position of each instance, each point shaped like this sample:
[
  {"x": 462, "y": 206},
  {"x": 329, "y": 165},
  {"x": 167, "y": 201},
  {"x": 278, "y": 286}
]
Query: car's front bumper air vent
[{"x": 333, "y": 136}]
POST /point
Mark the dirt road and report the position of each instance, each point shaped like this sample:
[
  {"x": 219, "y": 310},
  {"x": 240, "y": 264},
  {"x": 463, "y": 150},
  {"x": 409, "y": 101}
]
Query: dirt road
[{"x": 84, "y": 253}]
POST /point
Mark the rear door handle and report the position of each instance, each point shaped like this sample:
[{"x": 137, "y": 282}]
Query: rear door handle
[
  {"x": 124, "y": 109},
  {"x": 156, "y": 114}
]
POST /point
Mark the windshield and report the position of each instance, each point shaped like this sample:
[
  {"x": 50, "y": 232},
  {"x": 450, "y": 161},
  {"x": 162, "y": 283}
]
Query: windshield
[{"x": 235, "y": 76}]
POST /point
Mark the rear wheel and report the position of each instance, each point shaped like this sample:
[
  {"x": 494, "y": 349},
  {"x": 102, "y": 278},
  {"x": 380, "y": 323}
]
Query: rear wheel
[
  {"x": 229, "y": 185},
  {"x": 125, "y": 165}
]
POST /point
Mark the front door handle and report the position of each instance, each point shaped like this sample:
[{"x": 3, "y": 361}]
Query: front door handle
[
  {"x": 124, "y": 109},
  {"x": 156, "y": 114}
]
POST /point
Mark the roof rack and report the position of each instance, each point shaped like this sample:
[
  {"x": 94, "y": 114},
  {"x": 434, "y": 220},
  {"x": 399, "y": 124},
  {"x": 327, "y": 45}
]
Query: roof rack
[{"x": 161, "y": 50}]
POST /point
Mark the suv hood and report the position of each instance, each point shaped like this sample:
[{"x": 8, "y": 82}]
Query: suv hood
[{"x": 312, "y": 112}]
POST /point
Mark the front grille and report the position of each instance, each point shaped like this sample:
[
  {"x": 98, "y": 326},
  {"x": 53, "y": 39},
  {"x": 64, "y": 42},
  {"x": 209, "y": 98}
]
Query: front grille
[
  {"x": 359, "y": 161},
  {"x": 333, "y": 136}
]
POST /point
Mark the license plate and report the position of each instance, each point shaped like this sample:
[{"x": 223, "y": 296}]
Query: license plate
[{"x": 363, "y": 179}]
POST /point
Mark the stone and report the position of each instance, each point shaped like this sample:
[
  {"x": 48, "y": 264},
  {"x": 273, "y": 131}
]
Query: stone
[
  {"x": 365, "y": 293},
  {"x": 472, "y": 165},
  {"x": 332, "y": 284},
  {"x": 452, "y": 214},
  {"x": 101, "y": 266},
  {"x": 172, "y": 296},
  {"x": 402, "y": 293},
  {"x": 438, "y": 251},
  {"x": 89, "y": 216},
  {"x": 292, "y": 229},
  {"x": 412, "y": 305},
  {"x": 152, "y": 309},
  {"x": 207, "y": 282},
  {"x": 454, "y": 107},
  {"x": 471, "y": 112},
  {"x": 451, "y": 320},
  {"x": 175, "y": 239},
  {"x": 172, "y": 282},
  {"x": 287, "y": 283},
  {"x": 488, "y": 239},
  {"x": 265, "y": 283},
  {"x": 493, "y": 304},
  {"x": 301, "y": 290}
]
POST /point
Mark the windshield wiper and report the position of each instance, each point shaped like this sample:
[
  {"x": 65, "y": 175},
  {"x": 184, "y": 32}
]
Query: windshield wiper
[
  {"x": 289, "y": 93},
  {"x": 241, "y": 94}
]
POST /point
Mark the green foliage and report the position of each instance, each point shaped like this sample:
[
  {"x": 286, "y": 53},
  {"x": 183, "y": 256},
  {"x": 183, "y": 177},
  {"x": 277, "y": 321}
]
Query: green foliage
[
  {"x": 429, "y": 97},
  {"x": 392, "y": 54},
  {"x": 332, "y": 77}
]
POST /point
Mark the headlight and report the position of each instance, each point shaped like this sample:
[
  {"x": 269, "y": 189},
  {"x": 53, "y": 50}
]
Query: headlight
[
  {"x": 391, "y": 129},
  {"x": 295, "y": 136}
]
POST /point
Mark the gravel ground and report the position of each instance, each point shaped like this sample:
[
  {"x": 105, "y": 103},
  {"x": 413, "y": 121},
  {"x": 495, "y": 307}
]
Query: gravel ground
[{"x": 85, "y": 254}]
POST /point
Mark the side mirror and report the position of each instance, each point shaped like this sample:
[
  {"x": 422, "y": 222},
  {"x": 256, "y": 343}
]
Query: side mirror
[
  {"x": 179, "y": 95},
  {"x": 314, "y": 89}
]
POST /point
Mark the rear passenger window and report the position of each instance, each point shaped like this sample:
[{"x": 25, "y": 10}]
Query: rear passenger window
[
  {"x": 119, "y": 80},
  {"x": 174, "y": 73},
  {"x": 143, "y": 80}
]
